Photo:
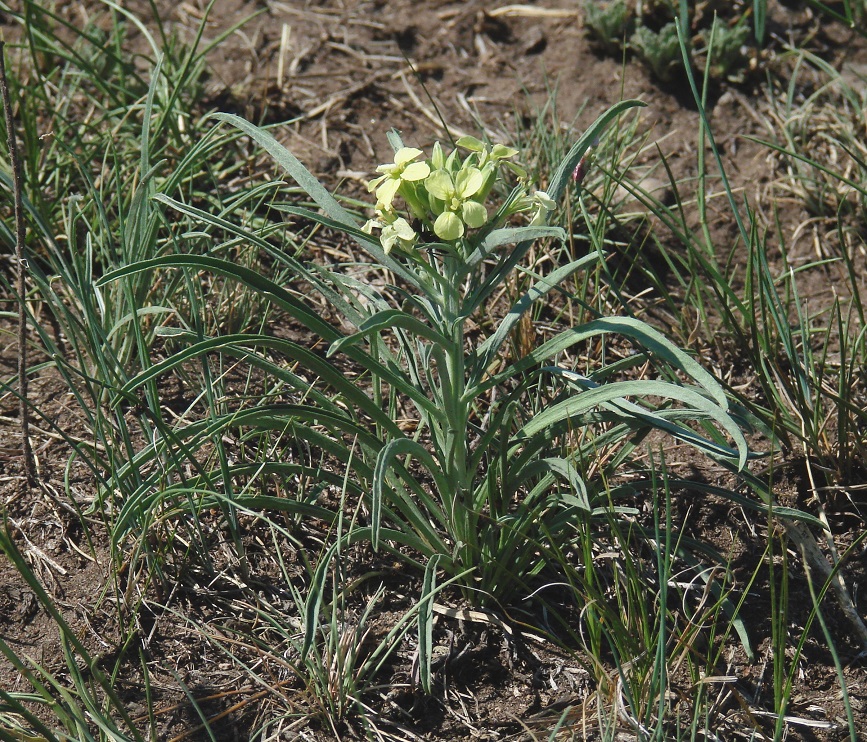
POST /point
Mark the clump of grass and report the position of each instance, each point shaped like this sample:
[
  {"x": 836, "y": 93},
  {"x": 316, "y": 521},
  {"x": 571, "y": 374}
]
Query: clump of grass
[
  {"x": 819, "y": 142},
  {"x": 90, "y": 185}
]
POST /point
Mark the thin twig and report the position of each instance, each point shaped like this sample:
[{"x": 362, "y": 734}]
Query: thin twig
[{"x": 26, "y": 449}]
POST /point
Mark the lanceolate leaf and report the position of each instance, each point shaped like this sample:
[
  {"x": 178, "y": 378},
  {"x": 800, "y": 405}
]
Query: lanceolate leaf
[
  {"x": 293, "y": 166},
  {"x": 513, "y": 236},
  {"x": 743, "y": 501},
  {"x": 251, "y": 278},
  {"x": 648, "y": 338},
  {"x": 280, "y": 296},
  {"x": 342, "y": 219},
  {"x": 330, "y": 376},
  {"x": 368, "y": 242},
  {"x": 576, "y": 405},
  {"x": 425, "y": 622},
  {"x": 564, "y": 469}
]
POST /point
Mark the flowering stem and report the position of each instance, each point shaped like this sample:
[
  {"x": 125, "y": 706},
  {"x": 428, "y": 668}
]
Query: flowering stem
[{"x": 455, "y": 407}]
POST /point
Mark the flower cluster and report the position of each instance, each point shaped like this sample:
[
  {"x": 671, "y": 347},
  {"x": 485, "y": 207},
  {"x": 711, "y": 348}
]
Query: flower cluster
[{"x": 446, "y": 194}]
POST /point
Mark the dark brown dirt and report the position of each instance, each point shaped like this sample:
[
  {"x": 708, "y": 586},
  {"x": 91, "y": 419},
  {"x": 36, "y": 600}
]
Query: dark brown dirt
[{"x": 341, "y": 72}]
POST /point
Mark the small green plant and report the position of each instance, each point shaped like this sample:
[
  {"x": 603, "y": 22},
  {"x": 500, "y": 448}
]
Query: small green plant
[
  {"x": 485, "y": 479},
  {"x": 659, "y": 50},
  {"x": 609, "y": 22},
  {"x": 723, "y": 45}
]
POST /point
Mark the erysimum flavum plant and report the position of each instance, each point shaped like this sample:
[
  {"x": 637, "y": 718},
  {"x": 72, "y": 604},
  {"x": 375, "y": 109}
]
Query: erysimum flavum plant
[{"x": 484, "y": 482}]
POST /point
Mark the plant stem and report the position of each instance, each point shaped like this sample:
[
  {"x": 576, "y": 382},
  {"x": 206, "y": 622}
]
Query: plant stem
[
  {"x": 24, "y": 409},
  {"x": 455, "y": 408}
]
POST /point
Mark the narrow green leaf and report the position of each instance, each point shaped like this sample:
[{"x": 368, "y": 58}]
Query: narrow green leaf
[
  {"x": 647, "y": 337},
  {"x": 425, "y": 622},
  {"x": 391, "y": 450},
  {"x": 237, "y": 344},
  {"x": 371, "y": 244},
  {"x": 283, "y": 298},
  {"x": 512, "y": 236},
  {"x": 342, "y": 219},
  {"x": 293, "y": 166},
  {"x": 563, "y": 468},
  {"x": 315, "y": 591},
  {"x": 575, "y": 406}
]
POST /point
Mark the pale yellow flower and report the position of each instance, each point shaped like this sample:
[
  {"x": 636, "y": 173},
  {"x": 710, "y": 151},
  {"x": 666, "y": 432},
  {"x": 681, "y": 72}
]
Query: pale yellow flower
[
  {"x": 458, "y": 208},
  {"x": 404, "y": 168}
]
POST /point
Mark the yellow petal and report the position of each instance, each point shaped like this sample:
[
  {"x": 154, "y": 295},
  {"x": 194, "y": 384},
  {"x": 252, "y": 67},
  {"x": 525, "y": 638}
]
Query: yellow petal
[
  {"x": 468, "y": 182},
  {"x": 386, "y": 192},
  {"x": 439, "y": 185},
  {"x": 406, "y": 154},
  {"x": 416, "y": 171},
  {"x": 448, "y": 226},
  {"x": 474, "y": 214}
]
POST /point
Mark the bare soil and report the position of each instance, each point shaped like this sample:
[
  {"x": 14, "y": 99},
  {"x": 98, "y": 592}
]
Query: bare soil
[{"x": 343, "y": 72}]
